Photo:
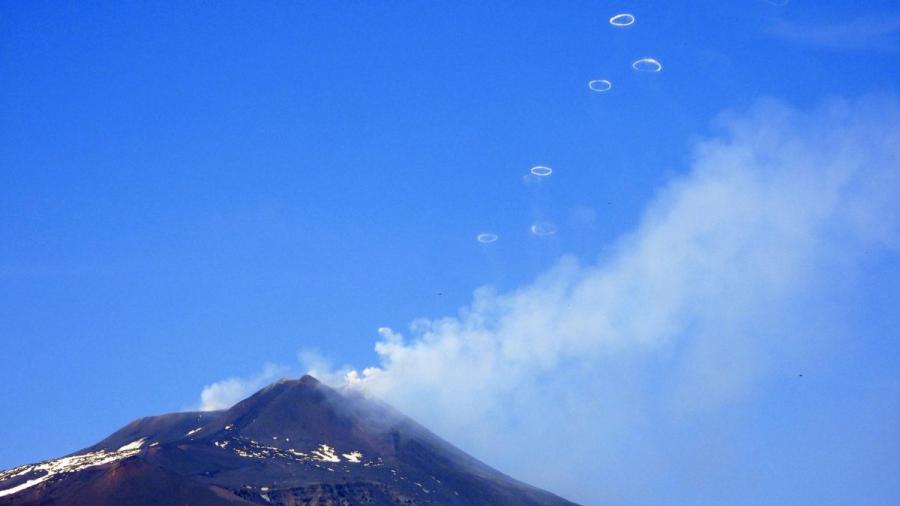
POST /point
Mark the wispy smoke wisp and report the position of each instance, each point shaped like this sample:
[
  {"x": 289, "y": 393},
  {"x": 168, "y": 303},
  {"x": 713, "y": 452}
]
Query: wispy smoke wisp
[
  {"x": 225, "y": 393},
  {"x": 872, "y": 32}
]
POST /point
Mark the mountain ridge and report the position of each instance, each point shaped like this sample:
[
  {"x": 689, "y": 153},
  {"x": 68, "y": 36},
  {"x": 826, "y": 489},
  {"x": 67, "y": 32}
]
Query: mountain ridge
[{"x": 293, "y": 442}]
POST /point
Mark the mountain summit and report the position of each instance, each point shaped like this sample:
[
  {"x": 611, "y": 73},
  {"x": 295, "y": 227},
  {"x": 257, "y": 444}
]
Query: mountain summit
[{"x": 295, "y": 442}]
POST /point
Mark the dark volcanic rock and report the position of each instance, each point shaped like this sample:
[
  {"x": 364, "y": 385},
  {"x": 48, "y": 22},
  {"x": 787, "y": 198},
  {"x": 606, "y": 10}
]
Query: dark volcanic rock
[{"x": 292, "y": 443}]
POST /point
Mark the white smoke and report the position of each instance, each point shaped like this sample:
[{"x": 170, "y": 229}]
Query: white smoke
[
  {"x": 611, "y": 380},
  {"x": 729, "y": 278},
  {"x": 225, "y": 393}
]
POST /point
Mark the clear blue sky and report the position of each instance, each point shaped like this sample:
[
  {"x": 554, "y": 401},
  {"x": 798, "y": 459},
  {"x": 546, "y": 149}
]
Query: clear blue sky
[{"x": 188, "y": 191}]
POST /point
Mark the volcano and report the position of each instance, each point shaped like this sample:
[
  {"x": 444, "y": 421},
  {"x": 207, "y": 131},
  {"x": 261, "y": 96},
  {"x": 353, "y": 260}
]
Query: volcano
[{"x": 295, "y": 442}]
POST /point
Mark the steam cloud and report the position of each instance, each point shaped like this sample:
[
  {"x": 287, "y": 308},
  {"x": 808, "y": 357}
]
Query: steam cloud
[
  {"x": 617, "y": 380},
  {"x": 225, "y": 393}
]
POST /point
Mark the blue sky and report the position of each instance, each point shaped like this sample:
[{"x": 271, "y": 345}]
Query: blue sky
[{"x": 192, "y": 192}]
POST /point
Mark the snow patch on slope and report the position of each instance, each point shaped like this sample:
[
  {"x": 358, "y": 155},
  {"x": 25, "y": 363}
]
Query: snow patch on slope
[
  {"x": 352, "y": 457},
  {"x": 325, "y": 453},
  {"x": 65, "y": 465},
  {"x": 134, "y": 445}
]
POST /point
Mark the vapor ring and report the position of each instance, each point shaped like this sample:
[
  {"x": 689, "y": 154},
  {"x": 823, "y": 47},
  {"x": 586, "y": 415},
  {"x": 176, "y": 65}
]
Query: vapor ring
[
  {"x": 541, "y": 171},
  {"x": 647, "y": 64},
  {"x": 622, "y": 20},
  {"x": 599, "y": 85}
]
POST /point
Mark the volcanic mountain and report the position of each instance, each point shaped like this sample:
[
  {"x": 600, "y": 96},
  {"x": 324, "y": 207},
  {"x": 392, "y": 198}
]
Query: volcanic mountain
[{"x": 295, "y": 442}]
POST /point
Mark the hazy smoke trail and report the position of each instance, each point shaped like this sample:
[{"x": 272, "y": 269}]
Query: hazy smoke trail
[
  {"x": 582, "y": 381},
  {"x": 730, "y": 275}
]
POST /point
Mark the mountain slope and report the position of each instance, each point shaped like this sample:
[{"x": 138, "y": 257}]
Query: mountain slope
[{"x": 295, "y": 442}]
